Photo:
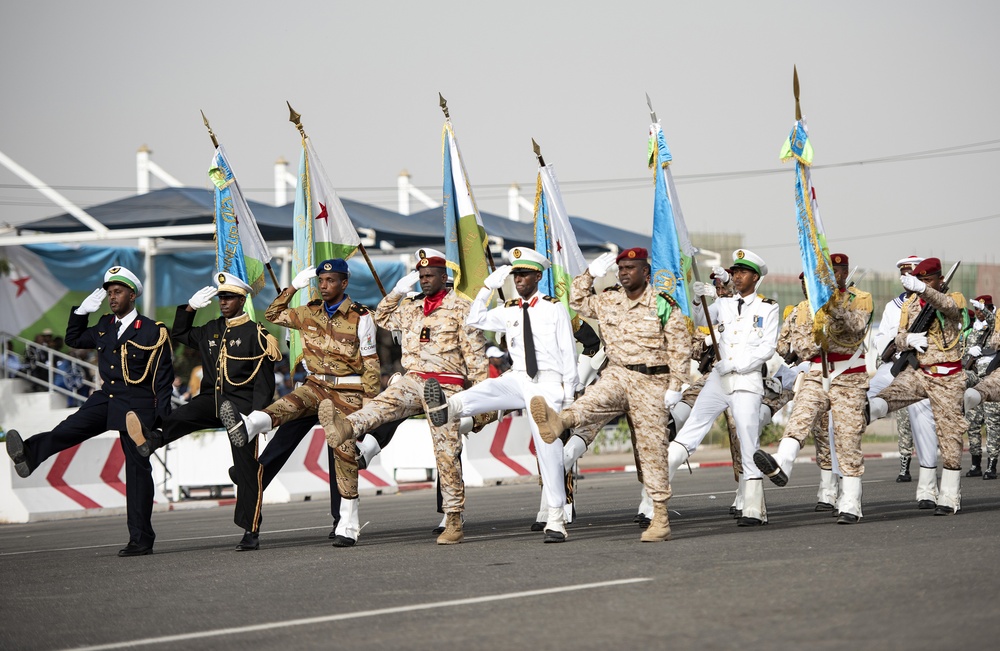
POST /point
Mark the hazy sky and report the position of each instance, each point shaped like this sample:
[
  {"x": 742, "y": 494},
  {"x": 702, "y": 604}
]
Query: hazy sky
[{"x": 84, "y": 84}]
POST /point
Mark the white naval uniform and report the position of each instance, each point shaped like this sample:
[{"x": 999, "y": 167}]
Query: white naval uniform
[
  {"x": 556, "y": 380},
  {"x": 924, "y": 432},
  {"x": 747, "y": 340}
]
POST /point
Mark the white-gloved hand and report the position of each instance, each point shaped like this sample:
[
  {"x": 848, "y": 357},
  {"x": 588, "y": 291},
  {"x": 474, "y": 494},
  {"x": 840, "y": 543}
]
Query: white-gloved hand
[
  {"x": 977, "y": 305},
  {"x": 724, "y": 367},
  {"x": 202, "y": 298},
  {"x": 303, "y": 277},
  {"x": 773, "y": 384},
  {"x": 496, "y": 279},
  {"x": 407, "y": 282},
  {"x": 671, "y": 398},
  {"x": 569, "y": 394},
  {"x": 912, "y": 283},
  {"x": 975, "y": 351},
  {"x": 978, "y": 325},
  {"x": 599, "y": 267},
  {"x": 917, "y": 341},
  {"x": 721, "y": 274},
  {"x": 93, "y": 302},
  {"x": 703, "y": 289}
]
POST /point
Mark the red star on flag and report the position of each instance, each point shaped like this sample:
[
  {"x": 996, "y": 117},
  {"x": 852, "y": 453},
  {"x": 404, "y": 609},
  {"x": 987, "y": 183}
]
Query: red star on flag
[
  {"x": 322, "y": 213},
  {"x": 558, "y": 245},
  {"x": 21, "y": 282}
]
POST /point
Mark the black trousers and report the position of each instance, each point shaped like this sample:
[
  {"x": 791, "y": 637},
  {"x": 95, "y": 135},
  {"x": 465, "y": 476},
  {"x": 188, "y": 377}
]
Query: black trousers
[
  {"x": 288, "y": 437},
  {"x": 201, "y": 413},
  {"x": 85, "y": 424}
]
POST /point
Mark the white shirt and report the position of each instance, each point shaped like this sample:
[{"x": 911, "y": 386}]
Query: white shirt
[
  {"x": 126, "y": 321},
  {"x": 747, "y": 337},
  {"x": 551, "y": 329},
  {"x": 889, "y": 325}
]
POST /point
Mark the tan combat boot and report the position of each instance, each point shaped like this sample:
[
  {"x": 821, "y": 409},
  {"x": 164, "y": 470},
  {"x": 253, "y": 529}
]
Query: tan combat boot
[
  {"x": 338, "y": 429},
  {"x": 659, "y": 526},
  {"x": 452, "y": 534},
  {"x": 550, "y": 424}
]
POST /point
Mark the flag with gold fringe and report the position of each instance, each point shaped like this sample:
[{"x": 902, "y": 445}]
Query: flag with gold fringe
[{"x": 672, "y": 253}]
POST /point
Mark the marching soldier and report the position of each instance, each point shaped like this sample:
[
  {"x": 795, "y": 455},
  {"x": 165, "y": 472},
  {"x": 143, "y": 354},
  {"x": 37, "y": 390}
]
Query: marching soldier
[
  {"x": 747, "y": 324},
  {"x": 839, "y": 388},
  {"x": 338, "y": 347},
  {"x": 647, "y": 340},
  {"x": 438, "y": 347},
  {"x": 978, "y": 356},
  {"x": 939, "y": 376},
  {"x": 133, "y": 358},
  {"x": 237, "y": 358},
  {"x": 986, "y": 393}
]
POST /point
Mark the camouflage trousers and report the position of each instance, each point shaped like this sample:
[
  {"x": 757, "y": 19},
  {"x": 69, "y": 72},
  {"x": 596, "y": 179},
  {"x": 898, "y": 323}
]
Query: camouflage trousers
[
  {"x": 987, "y": 413},
  {"x": 403, "y": 399},
  {"x": 304, "y": 401},
  {"x": 905, "y": 431},
  {"x": 846, "y": 403},
  {"x": 945, "y": 394},
  {"x": 618, "y": 391}
]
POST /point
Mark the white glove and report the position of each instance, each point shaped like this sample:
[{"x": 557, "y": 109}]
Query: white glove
[
  {"x": 569, "y": 394},
  {"x": 703, "y": 289},
  {"x": 599, "y": 267},
  {"x": 724, "y": 367},
  {"x": 495, "y": 280},
  {"x": 721, "y": 274},
  {"x": 976, "y": 305},
  {"x": 303, "y": 277},
  {"x": 975, "y": 351},
  {"x": 917, "y": 340},
  {"x": 912, "y": 284},
  {"x": 978, "y": 325},
  {"x": 92, "y": 303},
  {"x": 407, "y": 282},
  {"x": 202, "y": 298},
  {"x": 671, "y": 398},
  {"x": 772, "y": 384}
]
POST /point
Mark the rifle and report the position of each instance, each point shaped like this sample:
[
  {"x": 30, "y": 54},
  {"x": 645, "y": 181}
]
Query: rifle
[{"x": 921, "y": 325}]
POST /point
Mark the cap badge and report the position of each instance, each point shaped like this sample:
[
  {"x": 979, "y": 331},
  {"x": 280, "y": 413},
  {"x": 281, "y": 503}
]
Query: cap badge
[
  {"x": 740, "y": 254},
  {"x": 516, "y": 253},
  {"x": 222, "y": 278},
  {"x": 114, "y": 270}
]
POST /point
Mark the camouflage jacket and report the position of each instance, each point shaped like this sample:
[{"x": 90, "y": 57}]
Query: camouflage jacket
[{"x": 945, "y": 334}]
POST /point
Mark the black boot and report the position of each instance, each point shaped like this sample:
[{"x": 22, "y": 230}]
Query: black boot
[
  {"x": 991, "y": 469},
  {"x": 975, "y": 470},
  {"x": 904, "y": 470}
]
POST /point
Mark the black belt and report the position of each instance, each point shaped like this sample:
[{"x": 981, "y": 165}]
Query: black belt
[{"x": 648, "y": 370}]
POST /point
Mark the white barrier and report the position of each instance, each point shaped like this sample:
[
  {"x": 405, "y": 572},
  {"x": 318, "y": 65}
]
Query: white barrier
[{"x": 501, "y": 453}]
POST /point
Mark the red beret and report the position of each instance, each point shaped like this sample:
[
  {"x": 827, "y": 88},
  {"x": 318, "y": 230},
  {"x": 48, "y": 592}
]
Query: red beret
[
  {"x": 839, "y": 260},
  {"x": 928, "y": 267},
  {"x": 985, "y": 298},
  {"x": 431, "y": 262},
  {"x": 802, "y": 275},
  {"x": 635, "y": 253}
]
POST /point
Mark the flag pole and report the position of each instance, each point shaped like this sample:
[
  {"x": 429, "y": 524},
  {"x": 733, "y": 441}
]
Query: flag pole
[
  {"x": 215, "y": 143},
  {"x": 296, "y": 119}
]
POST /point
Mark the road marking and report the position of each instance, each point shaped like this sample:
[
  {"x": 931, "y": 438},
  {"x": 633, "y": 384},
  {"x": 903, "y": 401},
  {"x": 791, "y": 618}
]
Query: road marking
[{"x": 168, "y": 639}]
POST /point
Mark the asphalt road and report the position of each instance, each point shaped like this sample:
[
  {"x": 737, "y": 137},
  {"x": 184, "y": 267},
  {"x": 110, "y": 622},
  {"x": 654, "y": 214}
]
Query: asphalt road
[{"x": 900, "y": 579}]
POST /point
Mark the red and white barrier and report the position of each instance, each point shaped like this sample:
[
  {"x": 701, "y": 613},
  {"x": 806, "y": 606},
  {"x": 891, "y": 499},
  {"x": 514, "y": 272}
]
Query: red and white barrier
[
  {"x": 502, "y": 452},
  {"x": 306, "y": 474},
  {"x": 85, "y": 480}
]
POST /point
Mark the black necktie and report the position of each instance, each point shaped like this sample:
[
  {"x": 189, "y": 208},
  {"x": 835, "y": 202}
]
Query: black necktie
[
  {"x": 739, "y": 306},
  {"x": 530, "y": 361}
]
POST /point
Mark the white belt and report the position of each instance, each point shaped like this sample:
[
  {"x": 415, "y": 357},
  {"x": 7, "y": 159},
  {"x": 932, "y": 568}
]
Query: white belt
[
  {"x": 337, "y": 380},
  {"x": 838, "y": 367},
  {"x": 545, "y": 376}
]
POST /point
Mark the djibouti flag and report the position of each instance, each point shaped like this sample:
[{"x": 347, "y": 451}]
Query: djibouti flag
[
  {"x": 554, "y": 237},
  {"x": 672, "y": 252},
  {"x": 465, "y": 236}
]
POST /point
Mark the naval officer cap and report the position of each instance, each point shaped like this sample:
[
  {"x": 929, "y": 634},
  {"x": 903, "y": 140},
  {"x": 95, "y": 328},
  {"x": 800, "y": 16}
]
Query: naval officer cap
[
  {"x": 431, "y": 258},
  {"x": 525, "y": 259},
  {"x": 122, "y": 276},
  {"x": 909, "y": 261},
  {"x": 230, "y": 284},
  {"x": 747, "y": 259},
  {"x": 333, "y": 266}
]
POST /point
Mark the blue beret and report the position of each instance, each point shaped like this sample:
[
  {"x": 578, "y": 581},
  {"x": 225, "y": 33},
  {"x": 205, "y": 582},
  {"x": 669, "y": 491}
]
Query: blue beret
[{"x": 335, "y": 265}]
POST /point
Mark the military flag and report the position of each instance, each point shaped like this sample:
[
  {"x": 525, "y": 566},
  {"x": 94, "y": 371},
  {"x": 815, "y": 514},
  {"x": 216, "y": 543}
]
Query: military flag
[
  {"x": 672, "y": 253},
  {"x": 466, "y": 243},
  {"x": 554, "y": 238}
]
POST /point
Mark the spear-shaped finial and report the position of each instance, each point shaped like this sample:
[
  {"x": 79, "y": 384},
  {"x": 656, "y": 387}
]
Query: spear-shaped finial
[
  {"x": 209, "y": 127},
  {"x": 295, "y": 119},
  {"x": 795, "y": 89},
  {"x": 538, "y": 153},
  {"x": 652, "y": 113},
  {"x": 444, "y": 106}
]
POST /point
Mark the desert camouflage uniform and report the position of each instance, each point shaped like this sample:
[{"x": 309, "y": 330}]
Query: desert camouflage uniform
[
  {"x": 659, "y": 354},
  {"x": 436, "y": 344},
  {"x": 986, "y": 413},
  {"x": 945, "y": 391},
  {"x": 331, "y": 349},
  {"x": 848, "y": 318},
  {"x": 774, "y": 402}
]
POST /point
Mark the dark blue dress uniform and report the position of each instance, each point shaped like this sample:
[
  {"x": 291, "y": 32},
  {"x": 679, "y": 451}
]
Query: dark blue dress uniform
[
  {"x": 143, "y": 386},
  {"x": 245, "y": 377}
]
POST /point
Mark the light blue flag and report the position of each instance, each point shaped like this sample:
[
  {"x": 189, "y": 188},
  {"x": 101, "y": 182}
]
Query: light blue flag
[
  {"x": 554, "y": 237},
  {"x": 672, "y": 251}
]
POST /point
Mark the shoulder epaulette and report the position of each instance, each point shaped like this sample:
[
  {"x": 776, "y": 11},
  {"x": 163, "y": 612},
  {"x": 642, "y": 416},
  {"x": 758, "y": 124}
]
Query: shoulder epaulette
[
  {"x": 613, "y": 288},
  {"x": 416, "y": 297},
  {"x": 667, "y": 297},
  {"x": 764, "y": 299},
  {"x": 314, "y": 303},
  {"x": 360, "y": 309},
  {"x": 514, "y": 302},
  {"x": 551, "y": 299}
]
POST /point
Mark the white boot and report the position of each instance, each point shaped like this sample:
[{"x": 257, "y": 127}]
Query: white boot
[
  {"x": 257, "y": 423},
  {"x": 879, "y": 408},
  {"x": 645, "y": 504},
  {"x": 465, "y": 424},
  {"x": 680, "y": 413},
  {"x": 348, "y": 528},
  {"x": 677, "y": 454},
  {"x": 543, "y": 514},
  {"x": 555, "y": 527},
  {"x": 826, "y": 496},
  {"x": 788, "y": 449},
  {"x": 972, "y": 400},
  {"x": 927, "y": 495},
  {"x": 572, "y": 451},
  {"x": 754, "y": 511},
  {"x": 736, "y": 510},
  {"x": 950, "y": 497},
  {"x": 368, "y": 449},
  {"x": 849, "y": 504}
]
